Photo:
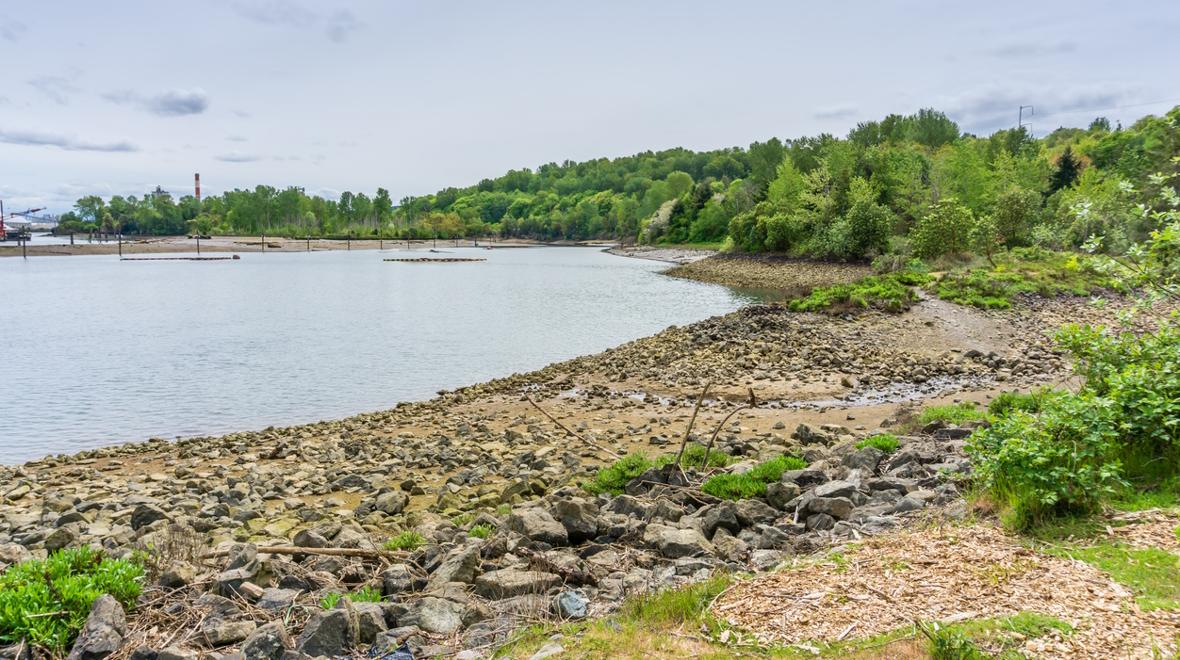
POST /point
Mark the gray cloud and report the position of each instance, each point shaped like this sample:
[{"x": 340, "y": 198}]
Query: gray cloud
[
  {"x": 237, "y": 138},
  {"x": 835, "y": 112},
  {"x": 337, "y": 26},
  {"x": 1023, "y": 49},
  {"x": 235, "y": 157},
  {"x": 169, "y": 103},
  {"x": 990, "y": 108},
  {"x": 11, "y": 29},
  {"x": 55, "y": 88},
  {"x": 61, "y": 141}
]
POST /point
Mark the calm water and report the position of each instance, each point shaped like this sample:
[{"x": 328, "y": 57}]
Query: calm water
[{"x": 98, "y": 351}]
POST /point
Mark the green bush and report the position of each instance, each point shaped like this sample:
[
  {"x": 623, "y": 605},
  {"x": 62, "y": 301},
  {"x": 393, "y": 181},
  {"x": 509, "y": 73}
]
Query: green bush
[
  {"x": 886, "y": 442},
  {"x": 694, "y": 456},
  {"x": 45, "y": 603},
  {"x": 407, "y": 540},
  {"x": 1022, "y": 270},
  {"x": 951, "y": 644},
  {"x": 1058, "y": 462},
  {"x": 752, "y": 483}
]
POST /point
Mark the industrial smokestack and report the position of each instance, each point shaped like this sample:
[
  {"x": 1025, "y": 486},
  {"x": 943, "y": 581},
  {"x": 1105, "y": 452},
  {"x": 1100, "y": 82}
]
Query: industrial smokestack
[{"x": 197, "y": 180}]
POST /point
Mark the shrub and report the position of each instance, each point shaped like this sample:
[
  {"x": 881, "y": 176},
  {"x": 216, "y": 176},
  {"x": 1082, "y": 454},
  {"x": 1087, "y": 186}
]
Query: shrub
[
  {"x": 892, "y": 292},
  {"x": 46, "y": 602},
  {"x": 752, "y": 483},
  {"x": 886, "y": 442},
  {"x": 407, "y": 540},
  {"x": 612, "y": 478},
  {"x": 1022, "y": 270},
  {"x": 1030, "y": 402},
  {"x": 951, "y": 644},
  {"x": 1058, "y": 462}
]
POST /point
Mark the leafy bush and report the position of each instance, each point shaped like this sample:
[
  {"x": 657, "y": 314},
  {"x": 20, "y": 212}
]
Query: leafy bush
[
  {"x": 1058, "y": 462},
  {"x": 46, "y": 602},
  {"x": 407, "y": 540},
  {"x": 886, "y": 442},
  {"x": 1030, "y": 402},
  {"x": 752, "y": 483},
  {"x": 612, "y": 478},
  {"x": 951, "y": 644}
]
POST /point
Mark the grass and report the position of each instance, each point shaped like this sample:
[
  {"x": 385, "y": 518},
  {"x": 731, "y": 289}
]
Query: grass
[
  {"x": 45, "y": 603},
  {"x": 480, "y": 531},
  {"x": 614, "y": 477},
  {"x": 954, "y": 413},
  {"x": 365, "y": 595},
  {"x": 330, "y": 600},
  {"x": 892, "y": 292},
  {"x": 1021, "y": 270},
  {"x": 694, "y": 456},
  {"x": 752, "y": 483},
  {"x": 407, "y": 540},
  {"x": 1151, "y": 573},
  {"x": 886, "y": 442},
  {"x": 1030, "y": 402}
]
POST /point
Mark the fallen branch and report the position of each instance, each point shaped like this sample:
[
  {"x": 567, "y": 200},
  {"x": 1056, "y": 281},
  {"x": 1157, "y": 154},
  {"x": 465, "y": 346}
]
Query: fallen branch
[
  {"x": 331, "y": 552},
  {"x": 570, "y": 431},
  {"x": 752, "y": 403},
  {"x": 691, "y": 422}
]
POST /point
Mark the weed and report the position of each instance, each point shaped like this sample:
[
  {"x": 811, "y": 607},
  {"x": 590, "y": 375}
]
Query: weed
[
  {"x": 612, "y": 478},
  {"x": 46, "y": 602},
  {"x": 955, "y": 413},
  {"x": 366, "y": 595},
  {"x": 330, "y": 600},
  {"x": 752, "y": 483},
  {"x": 886, "y": 442},
  {"x": 480, "y": 531},
  {"x": 407, "y": 540}
]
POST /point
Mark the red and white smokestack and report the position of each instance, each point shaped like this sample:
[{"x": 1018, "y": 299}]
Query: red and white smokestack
[{"x": 197, "y": 180}]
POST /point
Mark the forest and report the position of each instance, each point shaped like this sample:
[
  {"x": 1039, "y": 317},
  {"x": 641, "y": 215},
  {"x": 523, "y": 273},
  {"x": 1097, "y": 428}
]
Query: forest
[{"x": 907, "y": 185}]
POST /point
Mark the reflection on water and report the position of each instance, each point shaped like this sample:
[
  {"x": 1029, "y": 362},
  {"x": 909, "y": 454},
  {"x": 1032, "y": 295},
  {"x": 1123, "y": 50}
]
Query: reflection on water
[{"x": 99, "y": 351}]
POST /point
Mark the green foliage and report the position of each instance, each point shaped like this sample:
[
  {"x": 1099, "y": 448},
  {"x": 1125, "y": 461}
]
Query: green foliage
[
  {"x": 674, "y": 606},
  {"x": 892, "y": 292},
  {"x": 45, "y": 603},
  {"x": 694, "y": 456},
  {"x": 945, "y": 229},
  {"x": 366, "y": 595},
  {"x": 886, "y": 442},
  {"x": 1030, "y": 402},
  {"x": 330, "y": 600},
  {"x": 407, "y": 540},
  {"x": 753, "y": 483},
  {"x": 952, "y": 413},
  {"x": 480, "y": 531},
  {"x": 612, "y": 478},
  {"x": 1022, "y": 271},
  {"x": 951, "y": 644}
]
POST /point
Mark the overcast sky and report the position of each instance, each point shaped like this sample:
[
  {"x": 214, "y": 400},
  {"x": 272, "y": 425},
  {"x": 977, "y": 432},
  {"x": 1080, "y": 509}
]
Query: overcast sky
[{"x": 117, "y": 97}]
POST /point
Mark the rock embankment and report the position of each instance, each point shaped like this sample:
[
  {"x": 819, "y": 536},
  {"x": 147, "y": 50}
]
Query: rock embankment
[{"x": 769, "y": 273}]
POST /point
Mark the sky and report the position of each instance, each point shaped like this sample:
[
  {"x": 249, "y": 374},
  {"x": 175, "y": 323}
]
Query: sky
[{"x": 117, "y": 97}]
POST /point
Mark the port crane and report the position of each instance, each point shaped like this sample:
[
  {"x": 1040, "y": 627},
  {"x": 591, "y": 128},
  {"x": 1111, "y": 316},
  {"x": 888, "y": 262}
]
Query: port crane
[{"x": 9, "y": 232}]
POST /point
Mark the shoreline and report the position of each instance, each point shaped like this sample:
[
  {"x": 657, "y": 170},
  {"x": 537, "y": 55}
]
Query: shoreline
[{"x": 509, "y": 455}]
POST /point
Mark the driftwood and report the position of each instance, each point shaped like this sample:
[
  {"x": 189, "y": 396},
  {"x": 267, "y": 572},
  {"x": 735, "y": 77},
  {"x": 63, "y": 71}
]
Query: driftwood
[
  {"x": 752, "y": 403},
  {"x": 691, "y": 422},
  {"x": 570, "y": 431},
  {"x": 331, "y": 552}
]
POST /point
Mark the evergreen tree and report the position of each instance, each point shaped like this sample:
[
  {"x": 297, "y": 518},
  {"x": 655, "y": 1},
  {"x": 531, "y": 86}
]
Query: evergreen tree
[{"x": 1066, "y": 174}]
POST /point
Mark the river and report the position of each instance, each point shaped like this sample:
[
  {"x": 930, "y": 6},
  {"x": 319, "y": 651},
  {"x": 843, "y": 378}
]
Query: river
[{"x": 97, "y": 351}]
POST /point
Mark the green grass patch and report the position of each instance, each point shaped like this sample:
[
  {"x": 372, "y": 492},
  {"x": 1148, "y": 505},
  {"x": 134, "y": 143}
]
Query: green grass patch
[
  {"x": 46, "y": 602},
  {"x": 694, "y": 456},
  {"x": 1022, "y": 270},
  {"x": 480, "y": 531},
  {"x": 892, "y": 292},
  {"x": 330, "y": 600},
  {"x": 1029, "y": 402},
  {"x": 886, "y": 442},
  {"x": 366, "y": 595},
  {"x": 407, "y": 540},
  {"x": 612, "y": 478},
  {"x": 1151, "y": 573},
  {"x": 955, "y": 413},
  {"x": 752, "y": 483}
]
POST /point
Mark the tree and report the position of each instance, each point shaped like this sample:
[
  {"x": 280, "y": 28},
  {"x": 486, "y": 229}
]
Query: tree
[
  {"x": 1068, "y": 169},
  {"x": 944, "y": 230},
  {"x": 1016, "y": 211}
]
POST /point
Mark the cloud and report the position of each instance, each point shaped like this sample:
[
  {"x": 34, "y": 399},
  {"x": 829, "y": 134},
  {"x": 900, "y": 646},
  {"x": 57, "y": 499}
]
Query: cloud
[
  {"x": 836, "y": 112},
  {"x": 988, "y": 109},
  {"x": 235, "y": 157},
  {"x": 11, "y": 29},
  {"x": 61, "y": 141},
  {"x": 1023, "y": 49},
  {"x": 169, "y": 103},
  {"x": 237, "y": 138},
  {"x": 55, "y": 88},
  {"x": 337, "y": 26}
]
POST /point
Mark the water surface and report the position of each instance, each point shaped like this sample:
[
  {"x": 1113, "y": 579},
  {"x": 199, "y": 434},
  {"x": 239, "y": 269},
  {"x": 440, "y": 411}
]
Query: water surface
[{"x": 98, "y": 351}]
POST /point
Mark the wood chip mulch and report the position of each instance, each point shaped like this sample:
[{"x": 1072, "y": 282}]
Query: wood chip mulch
[
  {"x": 1146, "y": 529},
  {"x": 948, "y": 574}
]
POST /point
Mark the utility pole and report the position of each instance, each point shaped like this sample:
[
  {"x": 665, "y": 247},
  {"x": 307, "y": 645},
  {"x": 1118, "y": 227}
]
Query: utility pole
[{"x": 1020, "y": 117}]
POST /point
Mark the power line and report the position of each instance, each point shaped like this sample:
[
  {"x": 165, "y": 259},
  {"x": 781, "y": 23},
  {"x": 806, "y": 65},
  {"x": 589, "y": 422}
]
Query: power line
[{"x": 1116, "y": 107}]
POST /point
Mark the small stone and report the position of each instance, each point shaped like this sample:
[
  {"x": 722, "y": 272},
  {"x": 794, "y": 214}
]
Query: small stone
[{"x": 571, "y": 605}]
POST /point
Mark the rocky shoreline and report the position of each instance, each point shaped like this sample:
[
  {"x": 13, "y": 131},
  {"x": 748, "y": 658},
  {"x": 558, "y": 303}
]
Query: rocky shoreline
[{"x": 486, "y": 480}]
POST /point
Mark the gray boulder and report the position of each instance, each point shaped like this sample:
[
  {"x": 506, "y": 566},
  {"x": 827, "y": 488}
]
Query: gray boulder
[
  {"x": 836, "y": 507},
  {"x": 459, "y": 565},
  {"x": 538, "y": 525},
  {"x": 755, "y": 512},
  {"x": 579, "y": 517},
  {"x": 329, "y": 633},
  {"x": 508, "y": 582},
  {"x": 103, "y": 631},
  {"x": 675, "y": 543},
  {"x": 267, "y": 642}
]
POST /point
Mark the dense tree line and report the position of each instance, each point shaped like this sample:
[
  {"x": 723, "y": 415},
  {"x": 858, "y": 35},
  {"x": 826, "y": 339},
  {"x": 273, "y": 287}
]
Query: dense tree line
[{"x": 904, "y": 185}]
